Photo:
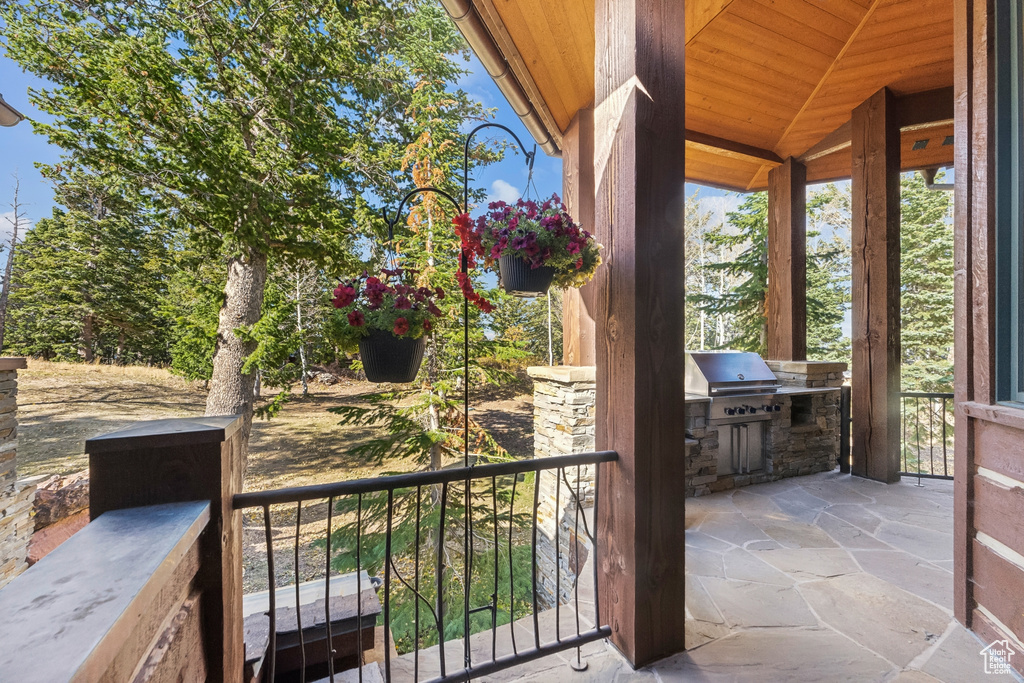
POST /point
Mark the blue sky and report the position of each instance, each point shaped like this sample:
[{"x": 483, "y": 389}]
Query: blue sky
[{"x": 21, "y": 149}]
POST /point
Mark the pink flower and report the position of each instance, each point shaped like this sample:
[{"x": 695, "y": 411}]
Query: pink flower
[
  {"x": 344, "y": 294},
  {"x": 356, "y": 318},
  {"x": 401, "y": 326}
]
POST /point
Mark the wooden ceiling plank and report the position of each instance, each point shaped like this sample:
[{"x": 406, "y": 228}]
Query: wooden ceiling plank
[
  {"x": 807, "y": 35},
  {"x": 762, "y": 49},
  {"x": 704, "y": 95},
  {"x": 821, "y": 82},
  {"x": 846, "y": 10},
  {"x": 781, "y": 42},
  {"x": 700, "y": 13},
  {"x": 747, "y": 61},
  {"x": 702, "y": 75},
  {"x": 804, "y": 12}
]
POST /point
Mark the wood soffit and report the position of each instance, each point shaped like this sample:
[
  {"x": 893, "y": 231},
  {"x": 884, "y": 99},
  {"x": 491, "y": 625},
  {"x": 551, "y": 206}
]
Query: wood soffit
[{"x": 766, "y": 79}]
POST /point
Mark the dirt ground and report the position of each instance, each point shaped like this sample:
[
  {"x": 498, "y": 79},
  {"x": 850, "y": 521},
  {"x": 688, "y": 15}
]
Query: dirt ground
[{"x": 61, "y": 405}]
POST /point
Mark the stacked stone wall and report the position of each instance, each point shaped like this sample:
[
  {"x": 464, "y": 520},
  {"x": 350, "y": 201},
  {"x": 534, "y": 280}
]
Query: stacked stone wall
[
  {"x": 16, "y": 498},
  {"x": 563, "y": 423}
]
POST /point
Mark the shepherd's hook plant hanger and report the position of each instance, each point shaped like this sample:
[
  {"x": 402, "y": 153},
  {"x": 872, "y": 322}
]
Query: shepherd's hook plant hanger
[{"x": 464, "y": 263}]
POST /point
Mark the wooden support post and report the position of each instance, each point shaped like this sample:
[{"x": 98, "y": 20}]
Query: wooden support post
[
  {"x": 578, "y": 345},
  {"x": 639, "y": 172},
  {"x": 787, "y": 261},
  {"x": 178, "y": 460},
  {"x": 875, "y": 208}
]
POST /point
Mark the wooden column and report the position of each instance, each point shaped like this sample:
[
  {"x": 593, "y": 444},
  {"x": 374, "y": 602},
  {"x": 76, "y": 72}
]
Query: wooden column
[
  {"x": 578, "y": 346},
  {"x": 178, "y": 460},
  {"x": 787, "y": 261},
  {"x": 875, "y": 208},
  {"x": 639, "y": 173}
]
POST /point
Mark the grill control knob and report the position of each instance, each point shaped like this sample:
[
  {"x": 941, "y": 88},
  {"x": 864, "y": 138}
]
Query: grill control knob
[
  {"x": 730, "y": 411},
  {"x": 777, "y": 407},
  {"x": 767, "y": 409},
  {"x": 741, "y": 411}
]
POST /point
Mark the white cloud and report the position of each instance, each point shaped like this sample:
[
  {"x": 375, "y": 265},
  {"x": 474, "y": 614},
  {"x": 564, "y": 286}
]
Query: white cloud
[
  {"x": 502, "y": 191},
  {"x": 6, "y": 221}
]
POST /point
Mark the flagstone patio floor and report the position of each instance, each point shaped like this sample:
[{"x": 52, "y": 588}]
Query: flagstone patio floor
[{"x": 820, "y": 578}]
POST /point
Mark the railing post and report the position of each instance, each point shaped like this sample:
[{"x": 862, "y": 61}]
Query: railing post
[
  {"x": 844, "y": 429},
  {"x": 177, "y": 460}
]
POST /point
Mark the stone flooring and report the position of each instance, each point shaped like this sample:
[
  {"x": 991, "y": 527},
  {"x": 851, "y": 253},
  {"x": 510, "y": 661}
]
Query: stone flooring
[{"x": 819, "y": 578}]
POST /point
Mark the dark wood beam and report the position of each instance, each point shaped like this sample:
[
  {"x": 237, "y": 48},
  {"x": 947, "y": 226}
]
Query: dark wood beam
[
  {"x": 875, "y": 228},
  {"x": 640, "y": 178},
  {"x": 918, "y": 111},
  {"x": 787, "y": 261},
  {"x": 728, "y": 148},
  {"x": 578, "y": 346}
]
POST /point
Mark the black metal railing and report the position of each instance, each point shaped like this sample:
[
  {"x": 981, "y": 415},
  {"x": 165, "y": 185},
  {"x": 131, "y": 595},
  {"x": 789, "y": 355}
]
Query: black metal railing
[
  {"x": 926, "y": 439},
  {"x": 926, "y": 444},
  {"x": 384, "y": 523}
]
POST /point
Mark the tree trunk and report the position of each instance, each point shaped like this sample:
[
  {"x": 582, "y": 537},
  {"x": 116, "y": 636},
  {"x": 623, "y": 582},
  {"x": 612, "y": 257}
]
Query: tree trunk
[
  {"x": 302, "y": 336},
  {"x": 15, "y": 224},
  {"x": 88, "y": 337},
  {"x": 231, "y": 391}
]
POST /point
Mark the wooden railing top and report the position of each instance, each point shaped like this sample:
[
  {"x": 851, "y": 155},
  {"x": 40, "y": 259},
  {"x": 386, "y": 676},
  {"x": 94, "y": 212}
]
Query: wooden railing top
[
  {"x": 164, "y": 433},
  {"x": 67, "y": 617}
]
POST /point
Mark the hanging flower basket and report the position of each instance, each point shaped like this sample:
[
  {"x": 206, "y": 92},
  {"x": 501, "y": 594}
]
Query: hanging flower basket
[
  {"x": 389, "y": 320},
  {"x": 387, "y": 358},
  {"x": 535, "y": 245},
  {"x": 520, "y": 278}
]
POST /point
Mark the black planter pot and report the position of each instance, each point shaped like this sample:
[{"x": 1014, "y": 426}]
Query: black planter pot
[
  {"x": 518, "y": 278},
  {"x": 387, "y": 358}
]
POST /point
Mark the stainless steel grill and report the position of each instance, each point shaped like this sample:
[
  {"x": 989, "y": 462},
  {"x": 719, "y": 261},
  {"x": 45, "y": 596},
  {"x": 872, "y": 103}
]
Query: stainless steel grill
[
  {"x": 713, "y": 373},
  {"x": 740, "y": 387}
]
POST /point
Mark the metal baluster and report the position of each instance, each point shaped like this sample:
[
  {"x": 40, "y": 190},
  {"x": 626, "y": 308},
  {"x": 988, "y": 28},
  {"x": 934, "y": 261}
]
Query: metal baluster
[
  {"x": 272, "y": 649},
  {"x": 578, "y": 666},
  {"x": 359, "y": 584},
  {"x": 298, "y": 600},
  {"x": 916, "y": 436},
  {"x": 536, "y": 503},
  {"x": 494, "y": 595},
  {"x": 931, "y": 438},
  {"x": 511, "y": 578},
  {"x": 387, "y": 587},
  {"x": 327, "y": 597},
  {"x": 945, "y": 463},
  {"x": 558, "y": 563},
  {"x": 416, "y": 598},
  {"x": 440, "y": 578},
  {"x": 903, "y": 442},
  {"x": 467, "y": 564},
  {"x": 597, "y": 500}
]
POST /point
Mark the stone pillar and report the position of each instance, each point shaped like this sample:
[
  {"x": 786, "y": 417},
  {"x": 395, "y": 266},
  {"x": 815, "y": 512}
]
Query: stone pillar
[
  {"x": 15, "y": 498},
  {"x": 563, "y": 423}
]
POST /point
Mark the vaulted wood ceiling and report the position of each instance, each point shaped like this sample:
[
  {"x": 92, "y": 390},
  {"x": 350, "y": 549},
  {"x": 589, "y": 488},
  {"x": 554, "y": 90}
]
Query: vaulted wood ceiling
[{"x": 772, "y": 76}]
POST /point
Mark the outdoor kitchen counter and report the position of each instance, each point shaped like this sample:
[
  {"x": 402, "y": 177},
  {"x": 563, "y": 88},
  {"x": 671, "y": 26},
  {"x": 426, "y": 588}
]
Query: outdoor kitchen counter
[
  {"x": 794, "y": 391},
  {"x": 697, "y": 398}
]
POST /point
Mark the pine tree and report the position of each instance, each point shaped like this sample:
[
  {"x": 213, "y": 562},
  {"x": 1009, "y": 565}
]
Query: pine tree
[
  {"x": 88, "y": 280},
  {"x": 926, "y": 286},
  {"x": 744, "y": 270}
]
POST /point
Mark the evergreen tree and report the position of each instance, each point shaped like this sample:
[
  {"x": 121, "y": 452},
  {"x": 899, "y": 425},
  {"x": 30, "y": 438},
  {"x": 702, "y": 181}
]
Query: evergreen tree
[
  {"x": 744, "y": 270},
  {"x": 89, "y": 279},
  {"x": 926, "y": 291}
]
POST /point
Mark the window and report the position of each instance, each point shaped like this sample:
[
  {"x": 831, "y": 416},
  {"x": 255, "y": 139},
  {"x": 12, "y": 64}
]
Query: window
[{"x": 1009, "y": 159}]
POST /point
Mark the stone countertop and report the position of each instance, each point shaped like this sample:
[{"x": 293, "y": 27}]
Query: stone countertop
[
  {"x": 791, "y": 391},
  {"x": 697, "y": 398}
]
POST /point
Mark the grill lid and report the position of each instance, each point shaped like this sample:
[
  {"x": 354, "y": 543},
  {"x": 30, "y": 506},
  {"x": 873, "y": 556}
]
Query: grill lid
[{"x": 709, "y": 373}]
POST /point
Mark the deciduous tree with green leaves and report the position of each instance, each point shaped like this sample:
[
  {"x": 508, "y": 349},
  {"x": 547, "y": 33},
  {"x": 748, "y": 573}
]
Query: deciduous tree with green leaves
[{"x": 260, "y": 128}]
